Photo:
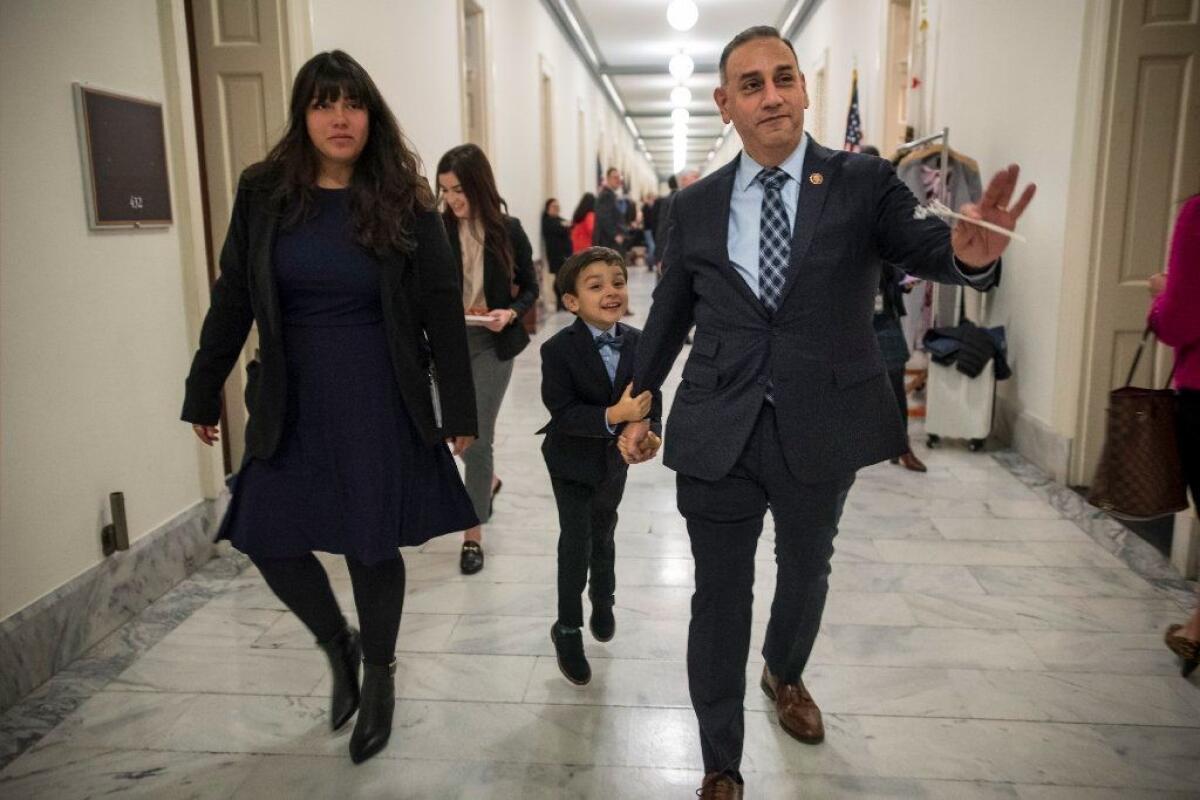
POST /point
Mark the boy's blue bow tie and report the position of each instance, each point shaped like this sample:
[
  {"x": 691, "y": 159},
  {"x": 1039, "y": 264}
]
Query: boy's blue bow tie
[{"x": 606, "y": 339}]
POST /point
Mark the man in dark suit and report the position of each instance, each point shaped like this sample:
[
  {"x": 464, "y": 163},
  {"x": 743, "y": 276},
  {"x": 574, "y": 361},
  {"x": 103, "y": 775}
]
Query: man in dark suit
[
  {"x": 610, "y": 222},
  {"x": 775, "y": 259}
]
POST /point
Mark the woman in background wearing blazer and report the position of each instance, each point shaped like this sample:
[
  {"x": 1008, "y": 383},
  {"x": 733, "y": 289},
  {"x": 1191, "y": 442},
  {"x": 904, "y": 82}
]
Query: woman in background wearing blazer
[
  {"x": 336, "y": 252},
  {"x": 495, "y": 268}
]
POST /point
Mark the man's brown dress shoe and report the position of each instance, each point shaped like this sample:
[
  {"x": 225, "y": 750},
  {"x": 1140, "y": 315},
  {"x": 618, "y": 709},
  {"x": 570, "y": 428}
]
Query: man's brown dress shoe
[
  {"x": 719, "y": 786},
  {"x": 798, "y": 713},
  {"x": 910, "y": 462}
]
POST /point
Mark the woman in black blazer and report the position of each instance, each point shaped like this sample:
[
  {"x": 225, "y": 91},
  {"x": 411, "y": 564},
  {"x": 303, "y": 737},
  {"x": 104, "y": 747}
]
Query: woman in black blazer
[
  {"x": 336, "y": 252},
  {"x": 495, "y": 268},
  {"x": 556, "y": 235}
]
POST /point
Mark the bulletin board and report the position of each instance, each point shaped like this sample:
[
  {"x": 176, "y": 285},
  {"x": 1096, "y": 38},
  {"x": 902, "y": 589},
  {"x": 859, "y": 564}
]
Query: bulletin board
[{"x": 123, "y": 146}]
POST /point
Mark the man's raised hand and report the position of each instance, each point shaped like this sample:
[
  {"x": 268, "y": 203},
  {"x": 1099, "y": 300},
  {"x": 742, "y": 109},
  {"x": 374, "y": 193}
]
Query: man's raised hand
[{"x": 978, "y": 246}]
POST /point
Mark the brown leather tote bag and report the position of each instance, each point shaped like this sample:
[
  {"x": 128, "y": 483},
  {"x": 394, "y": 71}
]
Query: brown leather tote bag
[{"x": 1140, "y": 475}]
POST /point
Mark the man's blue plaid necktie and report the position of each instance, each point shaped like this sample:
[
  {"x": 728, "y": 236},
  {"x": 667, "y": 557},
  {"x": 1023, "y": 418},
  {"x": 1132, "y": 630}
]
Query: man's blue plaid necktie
[
  {"x": 774, "y": 245},
  {"x": 774, "y": 239}
]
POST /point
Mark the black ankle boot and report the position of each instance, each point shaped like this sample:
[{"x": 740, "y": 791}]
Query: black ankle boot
[
  {"x": 602, "y": 622},
  {"x": 568, "y": 647},
  {"x": 374, "y": 725},
  {"x": 345, "y": 653}
]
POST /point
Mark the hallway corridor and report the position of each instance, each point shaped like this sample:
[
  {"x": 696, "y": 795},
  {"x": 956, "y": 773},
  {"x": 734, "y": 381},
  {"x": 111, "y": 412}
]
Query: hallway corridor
[{"x": 977, "y": 644}]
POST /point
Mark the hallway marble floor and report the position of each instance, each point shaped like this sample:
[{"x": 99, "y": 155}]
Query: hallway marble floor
[{"x": 976, "y": 644}]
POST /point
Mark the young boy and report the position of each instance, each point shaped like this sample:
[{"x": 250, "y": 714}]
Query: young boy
[{"x": 586, "y": 373}]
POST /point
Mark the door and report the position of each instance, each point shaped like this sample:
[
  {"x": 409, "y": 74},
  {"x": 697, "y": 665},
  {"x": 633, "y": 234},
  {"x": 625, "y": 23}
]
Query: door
[
  {"x": 242, "y": 80},
  {"x": 1150, "y": 162}
]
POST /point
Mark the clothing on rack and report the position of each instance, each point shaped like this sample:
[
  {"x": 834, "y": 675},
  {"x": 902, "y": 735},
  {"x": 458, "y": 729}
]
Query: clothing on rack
[
  {"x": 969, "y": 347},
  {"x": 921, "y": 172}
]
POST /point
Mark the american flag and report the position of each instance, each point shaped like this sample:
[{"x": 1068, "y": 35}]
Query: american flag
[{"x": 854, "y": 135}]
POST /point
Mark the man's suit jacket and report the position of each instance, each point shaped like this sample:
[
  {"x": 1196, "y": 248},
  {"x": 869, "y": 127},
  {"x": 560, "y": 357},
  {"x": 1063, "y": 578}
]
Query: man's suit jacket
[
  {"x": 576, "y": 390},
  {"x": 834, "y": 404},
  {"x": 609, "y": 221},
  {"x": 498, "y": 290},
  {"x": 422, "y": 315}
]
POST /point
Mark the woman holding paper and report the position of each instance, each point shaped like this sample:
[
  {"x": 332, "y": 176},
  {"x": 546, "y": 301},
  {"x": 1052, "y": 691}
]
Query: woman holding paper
[{"x": 499, "y": 284}]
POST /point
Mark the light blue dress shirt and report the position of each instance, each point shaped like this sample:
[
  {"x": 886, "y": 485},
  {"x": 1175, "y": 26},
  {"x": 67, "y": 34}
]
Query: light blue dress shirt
[
  {"x": 745, "y": 213},
  {"x": 745, "y": 210},
  {"x": 611, "y": 357}
]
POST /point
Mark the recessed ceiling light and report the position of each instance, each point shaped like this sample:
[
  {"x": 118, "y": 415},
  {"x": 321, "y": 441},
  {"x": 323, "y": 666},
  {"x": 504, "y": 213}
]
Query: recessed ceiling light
[
  {"x": 681, "y": 66},
  {"x": 680, "y": 116},
  {"x": 681, "y": 96},
  {"x": 682, "y": 14}
]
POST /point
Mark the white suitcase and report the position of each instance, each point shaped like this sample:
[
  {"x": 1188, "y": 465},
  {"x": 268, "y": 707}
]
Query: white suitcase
[{"x": 958, "y": 407}]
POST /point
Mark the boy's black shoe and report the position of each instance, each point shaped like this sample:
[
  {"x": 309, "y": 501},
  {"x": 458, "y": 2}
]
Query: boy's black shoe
[
  {"x": 602, "y": 623},
  {"x": 568, "y": 646}
]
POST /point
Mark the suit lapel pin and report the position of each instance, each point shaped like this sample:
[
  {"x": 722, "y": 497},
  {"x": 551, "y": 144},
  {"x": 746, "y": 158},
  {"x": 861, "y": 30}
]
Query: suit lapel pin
[{"x": 816, "y": 179}]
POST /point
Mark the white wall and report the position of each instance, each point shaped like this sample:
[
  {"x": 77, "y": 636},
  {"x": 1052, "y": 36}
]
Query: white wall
[
  {"x": 1006, "y": 80},
  {"x": 94, "y": 342},
  {"x": 411, "y": 49}
]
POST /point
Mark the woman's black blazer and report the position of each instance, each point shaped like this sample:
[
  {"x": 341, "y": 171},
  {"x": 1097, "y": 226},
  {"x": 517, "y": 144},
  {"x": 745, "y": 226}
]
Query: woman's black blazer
[
  {"x": 497, "y": 289},
  {"x": 422, "y": 312}
]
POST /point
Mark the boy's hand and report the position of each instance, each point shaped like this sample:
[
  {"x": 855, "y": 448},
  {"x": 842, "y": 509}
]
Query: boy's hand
[{"x": 629, "y": 408}]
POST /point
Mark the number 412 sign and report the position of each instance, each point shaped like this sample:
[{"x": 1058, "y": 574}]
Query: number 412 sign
[{"x": 124, "y": 155}]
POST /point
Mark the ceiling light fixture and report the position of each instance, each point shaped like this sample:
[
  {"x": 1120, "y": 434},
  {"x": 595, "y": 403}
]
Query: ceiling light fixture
[
  {"x": 681, "y": 66},
  {"x": 680, "y": 116},
  {"x": 682, "y": 14},
  {"x": 575, "y": 26},
  {"x": 612, "y": 92},
  {"x": 681, "y": 96}
]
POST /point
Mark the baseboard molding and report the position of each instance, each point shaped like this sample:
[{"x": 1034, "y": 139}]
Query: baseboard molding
[
  {"x": 1033, "y": 439},
  {"x": 46, "y": 636}
]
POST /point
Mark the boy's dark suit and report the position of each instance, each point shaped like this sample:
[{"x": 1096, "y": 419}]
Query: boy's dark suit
[{"x": 586, "y": 468}]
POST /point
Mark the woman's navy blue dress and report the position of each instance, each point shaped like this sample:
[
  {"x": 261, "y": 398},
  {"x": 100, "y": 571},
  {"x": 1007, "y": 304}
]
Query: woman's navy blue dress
[{"x": 351, "y": 474}]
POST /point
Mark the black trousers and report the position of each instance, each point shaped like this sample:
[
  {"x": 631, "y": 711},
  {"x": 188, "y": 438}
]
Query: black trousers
[
  {"x": 1189, "y": 440},
  {"x": 303, "y": 586},
  {"x": 896, "y": 376},
  {"x": 724, "y": 520},
  {"x": 587, "y": 518}
]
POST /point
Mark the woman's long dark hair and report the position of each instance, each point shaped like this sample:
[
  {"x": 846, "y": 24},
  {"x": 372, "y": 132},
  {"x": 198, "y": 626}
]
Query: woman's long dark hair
[
  {"x": 388, "y": 188},
  {"x": 474, "y": 173},
  {"x": 587, "y": 204}
]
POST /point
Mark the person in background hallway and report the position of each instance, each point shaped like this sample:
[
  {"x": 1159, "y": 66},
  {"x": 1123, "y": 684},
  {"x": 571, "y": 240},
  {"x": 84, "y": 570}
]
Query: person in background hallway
[
  {"x": 889, "y": 308},
  {"x": 336, "y": 252},
  {"x": 1175, "y": 319},
  {"x": 784, "y": 393},
  {"x": 583, "y": 223},
  {"x": 556, "y": 236},
  {"x": 610, "y": 222},
  {"x": 662, "y": 208},
  {"x": 493, "y": 255},
  {"x": 649, "y": 204},
  {"x": 684, "y": 180}
]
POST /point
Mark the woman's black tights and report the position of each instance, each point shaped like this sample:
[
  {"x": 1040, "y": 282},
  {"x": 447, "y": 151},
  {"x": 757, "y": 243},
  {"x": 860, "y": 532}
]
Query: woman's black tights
[{"x": 303, "y": 586}]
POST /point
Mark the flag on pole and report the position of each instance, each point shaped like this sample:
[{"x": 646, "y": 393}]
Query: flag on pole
[{"x": 854, "y": 134}]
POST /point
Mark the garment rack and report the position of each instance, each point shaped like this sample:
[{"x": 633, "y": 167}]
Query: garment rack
[{"x": 943, "y": 162}]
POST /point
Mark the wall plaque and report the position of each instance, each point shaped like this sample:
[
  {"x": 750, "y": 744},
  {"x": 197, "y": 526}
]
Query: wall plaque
[{"x": 124, "y": 160}]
